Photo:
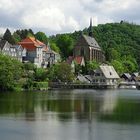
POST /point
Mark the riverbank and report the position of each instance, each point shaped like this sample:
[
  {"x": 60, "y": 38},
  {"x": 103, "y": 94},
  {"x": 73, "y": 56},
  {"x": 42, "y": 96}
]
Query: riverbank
[{"x": 91, "y": 86}]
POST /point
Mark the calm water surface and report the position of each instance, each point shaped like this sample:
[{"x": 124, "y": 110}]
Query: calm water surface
[{"x": 70, "y": 115}]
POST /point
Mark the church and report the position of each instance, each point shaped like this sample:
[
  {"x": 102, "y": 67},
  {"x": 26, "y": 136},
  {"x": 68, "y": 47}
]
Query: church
[{"x": 88, "y": 47}]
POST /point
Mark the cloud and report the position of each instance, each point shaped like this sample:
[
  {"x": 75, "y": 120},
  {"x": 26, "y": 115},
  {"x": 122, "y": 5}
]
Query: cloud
[{"x": 59, "y": 16}]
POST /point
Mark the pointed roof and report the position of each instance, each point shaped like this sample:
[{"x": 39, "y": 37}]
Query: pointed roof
[
  {"x": 90, "y": 28},
  {"x": 32, "y": 40},
  {"x": 109, "y": 71},
  {"x": 30, "y": 43},
  {"x": 91, "y": 41}
]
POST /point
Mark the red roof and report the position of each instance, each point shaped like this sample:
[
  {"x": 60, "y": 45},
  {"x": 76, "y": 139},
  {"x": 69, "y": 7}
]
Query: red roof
[
  {"x": 77, "y": 59},
  {"x": 30, "y": 43}
]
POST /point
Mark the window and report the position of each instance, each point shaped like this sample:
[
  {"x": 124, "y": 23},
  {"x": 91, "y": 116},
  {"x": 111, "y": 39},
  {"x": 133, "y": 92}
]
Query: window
[
  {"x": 97, "y": 74},
  {"x": 110, "y": 73}
]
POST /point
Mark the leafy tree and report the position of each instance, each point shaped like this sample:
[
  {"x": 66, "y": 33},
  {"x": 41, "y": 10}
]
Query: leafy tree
[
  {"x": 55, "y": 48},
  {"x": 61, "y": 72},
  {"x": 16, "y": 37},
  {"x": 91, "y": 66},
  {"x": 118, "y": 65},
  {"x": 25, "y": 33},
  {"x": 29, "y": 66},
  {"x": 112, "y": 54},
  {"x": 41, "y": 37},
  {"x": 9, "y": 74},
  {"x": 40, "y": 75},
  {"x": 65, "y": 44},
  {"x": 30, "y": 35}
]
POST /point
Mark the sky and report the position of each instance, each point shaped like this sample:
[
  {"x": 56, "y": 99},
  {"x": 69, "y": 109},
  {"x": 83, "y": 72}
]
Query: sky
[{"x": 64, "y": 16}]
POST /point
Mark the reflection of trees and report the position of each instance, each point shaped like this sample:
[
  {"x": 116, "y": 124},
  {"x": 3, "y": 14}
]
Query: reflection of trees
[
  {"x": 63, "y": 106},
  {"x": 79, "y": 107},
  {"x": 126, "y": 111},
  {"x": 17, "y": 103}
]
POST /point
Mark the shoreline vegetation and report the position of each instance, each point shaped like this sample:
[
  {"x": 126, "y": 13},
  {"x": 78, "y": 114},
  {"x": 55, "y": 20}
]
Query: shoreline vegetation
[{"x": 17, "y": 76}]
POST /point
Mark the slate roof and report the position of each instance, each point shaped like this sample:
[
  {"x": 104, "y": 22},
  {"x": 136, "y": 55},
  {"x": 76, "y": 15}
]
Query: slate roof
[
  {"x": 126, "y": 75},
  {"x": 82, "y": 79},
  {"x": 109, "y": 72},
  {"x": 135, "y": 74},
  {"x": 2, "y": 44},
  {"x": 17, "y": 46},
  {"x": 91, "y": 41},
  {"x": 89, "y": 77}
]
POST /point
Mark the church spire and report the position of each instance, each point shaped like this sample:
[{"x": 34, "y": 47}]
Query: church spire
[{"x": 90, "y": 28}]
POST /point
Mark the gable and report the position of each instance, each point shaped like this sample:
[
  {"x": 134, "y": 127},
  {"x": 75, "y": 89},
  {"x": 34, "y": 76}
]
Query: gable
[
  {"x": 109, "y": 71},
  {"x": 81, "y": 42},
  {"x": 7, "y": 45}
]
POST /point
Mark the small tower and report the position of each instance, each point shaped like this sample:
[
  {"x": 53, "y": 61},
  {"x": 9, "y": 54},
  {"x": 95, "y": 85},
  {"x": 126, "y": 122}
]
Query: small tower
[{"x": 90, "y": 31}]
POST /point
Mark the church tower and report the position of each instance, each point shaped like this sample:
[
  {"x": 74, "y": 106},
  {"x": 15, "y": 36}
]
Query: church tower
[
  {"x": 90, "y": 31},
  {"x": 88, "y": 47}
]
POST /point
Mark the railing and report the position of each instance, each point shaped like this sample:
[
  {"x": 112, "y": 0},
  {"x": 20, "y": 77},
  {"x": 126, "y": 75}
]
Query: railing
[{"x": 80, "y": 85}]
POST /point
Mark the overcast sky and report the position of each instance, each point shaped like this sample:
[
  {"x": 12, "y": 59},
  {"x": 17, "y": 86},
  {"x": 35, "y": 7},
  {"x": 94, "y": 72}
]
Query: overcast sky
[{"x": 61, "y": 16}]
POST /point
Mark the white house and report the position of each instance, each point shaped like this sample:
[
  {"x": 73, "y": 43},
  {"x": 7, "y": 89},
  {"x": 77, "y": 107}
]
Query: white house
[
  {"x": 105, "y": 75},
  {"x": 34, "y": 50},
  {"x": 5, "y": 47},
  {"x": 50, "y": 57}
]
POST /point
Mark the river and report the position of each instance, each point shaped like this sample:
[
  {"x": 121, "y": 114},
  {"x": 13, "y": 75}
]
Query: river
[{"x": 70, "y": 115}]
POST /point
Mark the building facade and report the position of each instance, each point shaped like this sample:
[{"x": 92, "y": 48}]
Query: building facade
[
  {"x": 34, "y": 50},
  {"x": 105, "y": 75},
  {"x": 5, "y": 47},
  {"x": 39, "y": 53},
  {"x": 15, "y": 51}
]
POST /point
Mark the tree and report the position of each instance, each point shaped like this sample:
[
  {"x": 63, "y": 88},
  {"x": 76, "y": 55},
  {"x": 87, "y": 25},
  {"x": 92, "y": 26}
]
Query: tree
[
  {"x": 41, "y": 37},
  {"x": 16, "y": 37},
  {"x": 54, "y": 47},
  {"x": 112, "y": 54},
  {"x": 40, "y": 75},
  {"x": 118, "y": 66},
  {"x": 91, "y": 66},
  {"x": 61, "y": 72},
  {"x": 11, "y": 71},
  {"x": 25, "y": 33},
  {"x": 65, "y": 44},
  {"x": 7, "y": 36}
]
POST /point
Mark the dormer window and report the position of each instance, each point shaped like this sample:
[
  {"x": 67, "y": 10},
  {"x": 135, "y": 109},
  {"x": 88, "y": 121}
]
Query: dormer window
[{"x": 110, "y": 73}]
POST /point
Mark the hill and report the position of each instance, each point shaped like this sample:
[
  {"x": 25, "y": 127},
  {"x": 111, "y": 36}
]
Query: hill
[{"x": 119, "y": 41}]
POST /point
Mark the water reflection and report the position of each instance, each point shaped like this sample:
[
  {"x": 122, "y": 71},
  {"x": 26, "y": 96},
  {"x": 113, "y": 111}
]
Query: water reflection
[{"x": 88, "y": 105}]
